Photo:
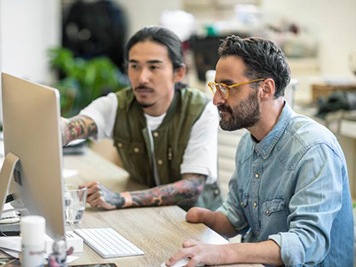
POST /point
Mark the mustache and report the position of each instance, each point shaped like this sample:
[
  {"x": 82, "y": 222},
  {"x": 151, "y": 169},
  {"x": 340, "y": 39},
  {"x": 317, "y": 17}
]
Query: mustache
[
  {"x": 143, "y": 88},
  {"x": 225, "y": 108}
]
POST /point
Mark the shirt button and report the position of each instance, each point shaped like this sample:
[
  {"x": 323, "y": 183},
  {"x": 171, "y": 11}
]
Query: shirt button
[
  {"x": 119, "y": 144},
  {"x": 242, "y": 204},
  {"x": 155, "y": 134},
  {"x": 257, "y": 175},
  {"x": 160, "y": 162},
  {"x": 267, "y": 212},
  {"x": 136, "y": 150},
  {"x": 255, "y": 204}
]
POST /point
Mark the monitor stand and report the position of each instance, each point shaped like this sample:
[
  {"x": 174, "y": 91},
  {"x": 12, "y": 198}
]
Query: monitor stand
[{"x": 6, "y": 176}]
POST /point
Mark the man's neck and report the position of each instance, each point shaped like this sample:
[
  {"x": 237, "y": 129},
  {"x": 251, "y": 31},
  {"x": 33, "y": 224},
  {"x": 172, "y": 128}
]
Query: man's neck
[
  {"x": 158, "y": 108},
  {"x": 269, "y": 117}
]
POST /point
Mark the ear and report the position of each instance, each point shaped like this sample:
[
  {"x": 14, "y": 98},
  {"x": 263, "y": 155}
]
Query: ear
[
  {"x": 267, "y": 89},
  {"x": 179, "y": 73}
]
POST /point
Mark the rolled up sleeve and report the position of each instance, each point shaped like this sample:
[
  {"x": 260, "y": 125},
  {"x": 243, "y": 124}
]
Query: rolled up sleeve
[{"x": 313, "y": 208}]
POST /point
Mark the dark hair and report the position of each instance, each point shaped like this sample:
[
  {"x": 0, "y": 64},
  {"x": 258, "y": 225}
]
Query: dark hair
[
  {"x": 263, "y": 59},
  {"x": 164, "y": 37}
]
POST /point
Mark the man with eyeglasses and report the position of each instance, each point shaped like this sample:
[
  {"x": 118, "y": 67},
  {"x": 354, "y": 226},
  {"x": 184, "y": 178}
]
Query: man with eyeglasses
[{"x": 289, "y": 196}]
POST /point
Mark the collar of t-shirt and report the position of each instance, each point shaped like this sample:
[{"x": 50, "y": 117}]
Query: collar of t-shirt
[{"x": 154, "y": 122}]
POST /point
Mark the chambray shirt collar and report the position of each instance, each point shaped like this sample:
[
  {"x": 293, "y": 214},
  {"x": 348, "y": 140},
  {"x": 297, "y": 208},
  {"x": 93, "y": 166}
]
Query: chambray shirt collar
[{"x": 266, "y": 145}]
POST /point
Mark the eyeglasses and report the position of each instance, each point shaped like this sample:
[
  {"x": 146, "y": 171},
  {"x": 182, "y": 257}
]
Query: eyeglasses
[{"x": 224, "y": 89}]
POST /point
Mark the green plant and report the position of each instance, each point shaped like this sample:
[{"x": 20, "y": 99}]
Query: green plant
[{"x": 84, "y": 80}]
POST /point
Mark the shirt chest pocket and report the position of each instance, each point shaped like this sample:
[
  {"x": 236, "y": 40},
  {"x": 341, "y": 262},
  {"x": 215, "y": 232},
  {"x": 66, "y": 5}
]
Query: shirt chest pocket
[{"x": 274, "y": 208}]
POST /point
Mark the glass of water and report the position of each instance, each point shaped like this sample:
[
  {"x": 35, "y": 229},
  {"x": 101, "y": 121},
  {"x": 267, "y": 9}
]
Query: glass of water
[{"x": 74, "y": 201}]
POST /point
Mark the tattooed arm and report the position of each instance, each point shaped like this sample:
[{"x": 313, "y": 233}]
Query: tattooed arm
[
  {"x": 182, "y": 192},
  {"x": 77, "y": 127}
]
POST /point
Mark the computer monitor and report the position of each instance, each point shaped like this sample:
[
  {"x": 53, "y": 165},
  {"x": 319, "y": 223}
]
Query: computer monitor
[{"x": 32, "y": 169}]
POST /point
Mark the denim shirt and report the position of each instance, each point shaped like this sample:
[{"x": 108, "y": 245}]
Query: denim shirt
[{"x": 292, "y": 187}]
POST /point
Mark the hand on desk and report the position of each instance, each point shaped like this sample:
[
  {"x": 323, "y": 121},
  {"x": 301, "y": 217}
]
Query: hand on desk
[
  {"x": 100, "y": 196},
  {"x": 261, "y": 252},
  {"x": 197, "y": 254}
]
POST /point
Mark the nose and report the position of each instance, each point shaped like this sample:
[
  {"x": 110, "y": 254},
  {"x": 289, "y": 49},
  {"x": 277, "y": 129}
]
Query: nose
[
  {"x": 144, "y": 76},
  {"x": 218, "y": 99}
]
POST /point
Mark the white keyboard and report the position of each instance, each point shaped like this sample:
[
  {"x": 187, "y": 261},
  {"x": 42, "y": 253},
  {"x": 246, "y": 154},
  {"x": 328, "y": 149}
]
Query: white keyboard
[{"x": 108, "y": 243}]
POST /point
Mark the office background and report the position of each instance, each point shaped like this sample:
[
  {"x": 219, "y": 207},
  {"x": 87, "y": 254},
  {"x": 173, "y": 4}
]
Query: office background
[{"x": 29, "y": 27}]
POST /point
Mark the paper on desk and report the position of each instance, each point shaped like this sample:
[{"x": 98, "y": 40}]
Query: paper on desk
[
  {"x": 12, "y": 253},
  {"x": 71, "y": 258},
  {"x": 11, "y": 242}
]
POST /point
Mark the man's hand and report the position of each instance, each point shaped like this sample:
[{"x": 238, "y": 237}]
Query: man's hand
[
  {"x": 100, "y": 196},
  {"x": 265, "y": 252},
  {"x": 198, "y": 252}
]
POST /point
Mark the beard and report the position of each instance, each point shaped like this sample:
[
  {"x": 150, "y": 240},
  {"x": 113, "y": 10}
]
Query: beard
[
  {"x": 244, "y": 115},
  {"x": 143, "y": 88}
]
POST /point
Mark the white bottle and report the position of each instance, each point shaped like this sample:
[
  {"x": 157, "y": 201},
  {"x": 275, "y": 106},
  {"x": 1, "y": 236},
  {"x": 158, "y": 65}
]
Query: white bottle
[{"x": 33, "y": 241}]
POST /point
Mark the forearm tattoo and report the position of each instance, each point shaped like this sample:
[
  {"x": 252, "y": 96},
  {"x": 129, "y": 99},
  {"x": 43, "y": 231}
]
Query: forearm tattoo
[
  {"x": 79, "y": 127},
  {"x": 112, "y": 198},
  {"x": 183, "y": 192}
]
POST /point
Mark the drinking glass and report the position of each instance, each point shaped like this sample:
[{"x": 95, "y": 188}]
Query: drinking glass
[{"x": 74, "y": 201}]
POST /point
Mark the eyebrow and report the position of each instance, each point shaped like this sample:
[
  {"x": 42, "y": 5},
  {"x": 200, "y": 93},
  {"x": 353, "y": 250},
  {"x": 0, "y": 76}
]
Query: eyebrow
[
  {"x": 227, "y": 82},
  {"x": 155, "y": 61}
]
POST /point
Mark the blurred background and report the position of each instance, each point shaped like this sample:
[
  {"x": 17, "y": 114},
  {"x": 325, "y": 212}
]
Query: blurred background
[{"x": 77, "y": 46}]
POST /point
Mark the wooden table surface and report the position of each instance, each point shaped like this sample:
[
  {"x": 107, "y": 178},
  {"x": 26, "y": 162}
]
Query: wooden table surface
[{"x": 158, "y": 231}]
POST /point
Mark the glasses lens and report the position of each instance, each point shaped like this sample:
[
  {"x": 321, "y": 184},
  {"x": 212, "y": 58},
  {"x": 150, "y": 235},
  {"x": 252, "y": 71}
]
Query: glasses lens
[
  {"x": 218, "y": 87},
  {"x": 223, "y": 90},
  {"x": 212, "y": 87}
]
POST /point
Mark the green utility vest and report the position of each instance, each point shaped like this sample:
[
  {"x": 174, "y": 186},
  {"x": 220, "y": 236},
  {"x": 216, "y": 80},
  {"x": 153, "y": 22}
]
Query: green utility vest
[{"x": 170, "y": 140}]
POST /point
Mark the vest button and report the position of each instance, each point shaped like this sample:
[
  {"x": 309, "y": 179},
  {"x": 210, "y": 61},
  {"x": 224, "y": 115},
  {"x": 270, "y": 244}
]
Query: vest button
[
  {"x": 155, "y": 134},
  {"x": 257, "y": 175},
  {"x": 136, "y": 150},
  {"x": 255, "y": 204},
  {"x": 120, "y": 145},
  {"x": 160, "y": 162}
]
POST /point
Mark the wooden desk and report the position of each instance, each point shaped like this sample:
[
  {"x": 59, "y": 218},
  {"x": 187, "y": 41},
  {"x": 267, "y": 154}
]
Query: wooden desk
[{"x": 158, "y": 231}]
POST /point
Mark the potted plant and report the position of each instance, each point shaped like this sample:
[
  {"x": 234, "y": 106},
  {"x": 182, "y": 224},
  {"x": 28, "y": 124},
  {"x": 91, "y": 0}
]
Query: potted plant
[{"x": 84, "y": 80}]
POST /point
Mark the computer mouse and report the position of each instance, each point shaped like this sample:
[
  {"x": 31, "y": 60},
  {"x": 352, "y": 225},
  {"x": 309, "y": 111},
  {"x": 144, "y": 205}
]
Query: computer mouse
[{"x": 181, "y": 263}]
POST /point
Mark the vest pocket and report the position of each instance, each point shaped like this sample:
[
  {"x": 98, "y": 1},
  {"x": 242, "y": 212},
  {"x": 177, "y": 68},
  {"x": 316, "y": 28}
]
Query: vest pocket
[{"x": 134, "y": 158}]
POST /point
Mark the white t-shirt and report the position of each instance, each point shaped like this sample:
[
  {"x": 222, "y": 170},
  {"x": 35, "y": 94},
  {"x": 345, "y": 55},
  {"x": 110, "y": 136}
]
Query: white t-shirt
[{"x": 199, "y": 157}]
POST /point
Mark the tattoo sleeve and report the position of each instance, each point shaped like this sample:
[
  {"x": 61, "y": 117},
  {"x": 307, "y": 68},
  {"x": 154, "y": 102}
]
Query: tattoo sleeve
[
  {"x": 78, "y": 127},
  {"x": 112, "y": 198},
  {"x": 185, "y": 191}
]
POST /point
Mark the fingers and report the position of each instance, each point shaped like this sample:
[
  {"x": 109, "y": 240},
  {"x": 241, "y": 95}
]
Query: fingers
[
  {"x": 93, "y": 187},
  {"x": 95, "y": 195},
  {"x": 187, "y": 254},
  {"x": 176, "y": 257}
]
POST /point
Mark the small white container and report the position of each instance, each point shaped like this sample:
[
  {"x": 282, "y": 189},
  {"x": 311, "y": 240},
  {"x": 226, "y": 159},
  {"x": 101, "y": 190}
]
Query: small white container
[{"x": 33, "y": 230}]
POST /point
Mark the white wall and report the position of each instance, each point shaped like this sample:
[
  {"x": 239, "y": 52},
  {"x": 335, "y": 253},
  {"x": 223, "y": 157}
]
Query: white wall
[
  {"x": 332, "y": 22},
  {"x": 27, "y": 30}
]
